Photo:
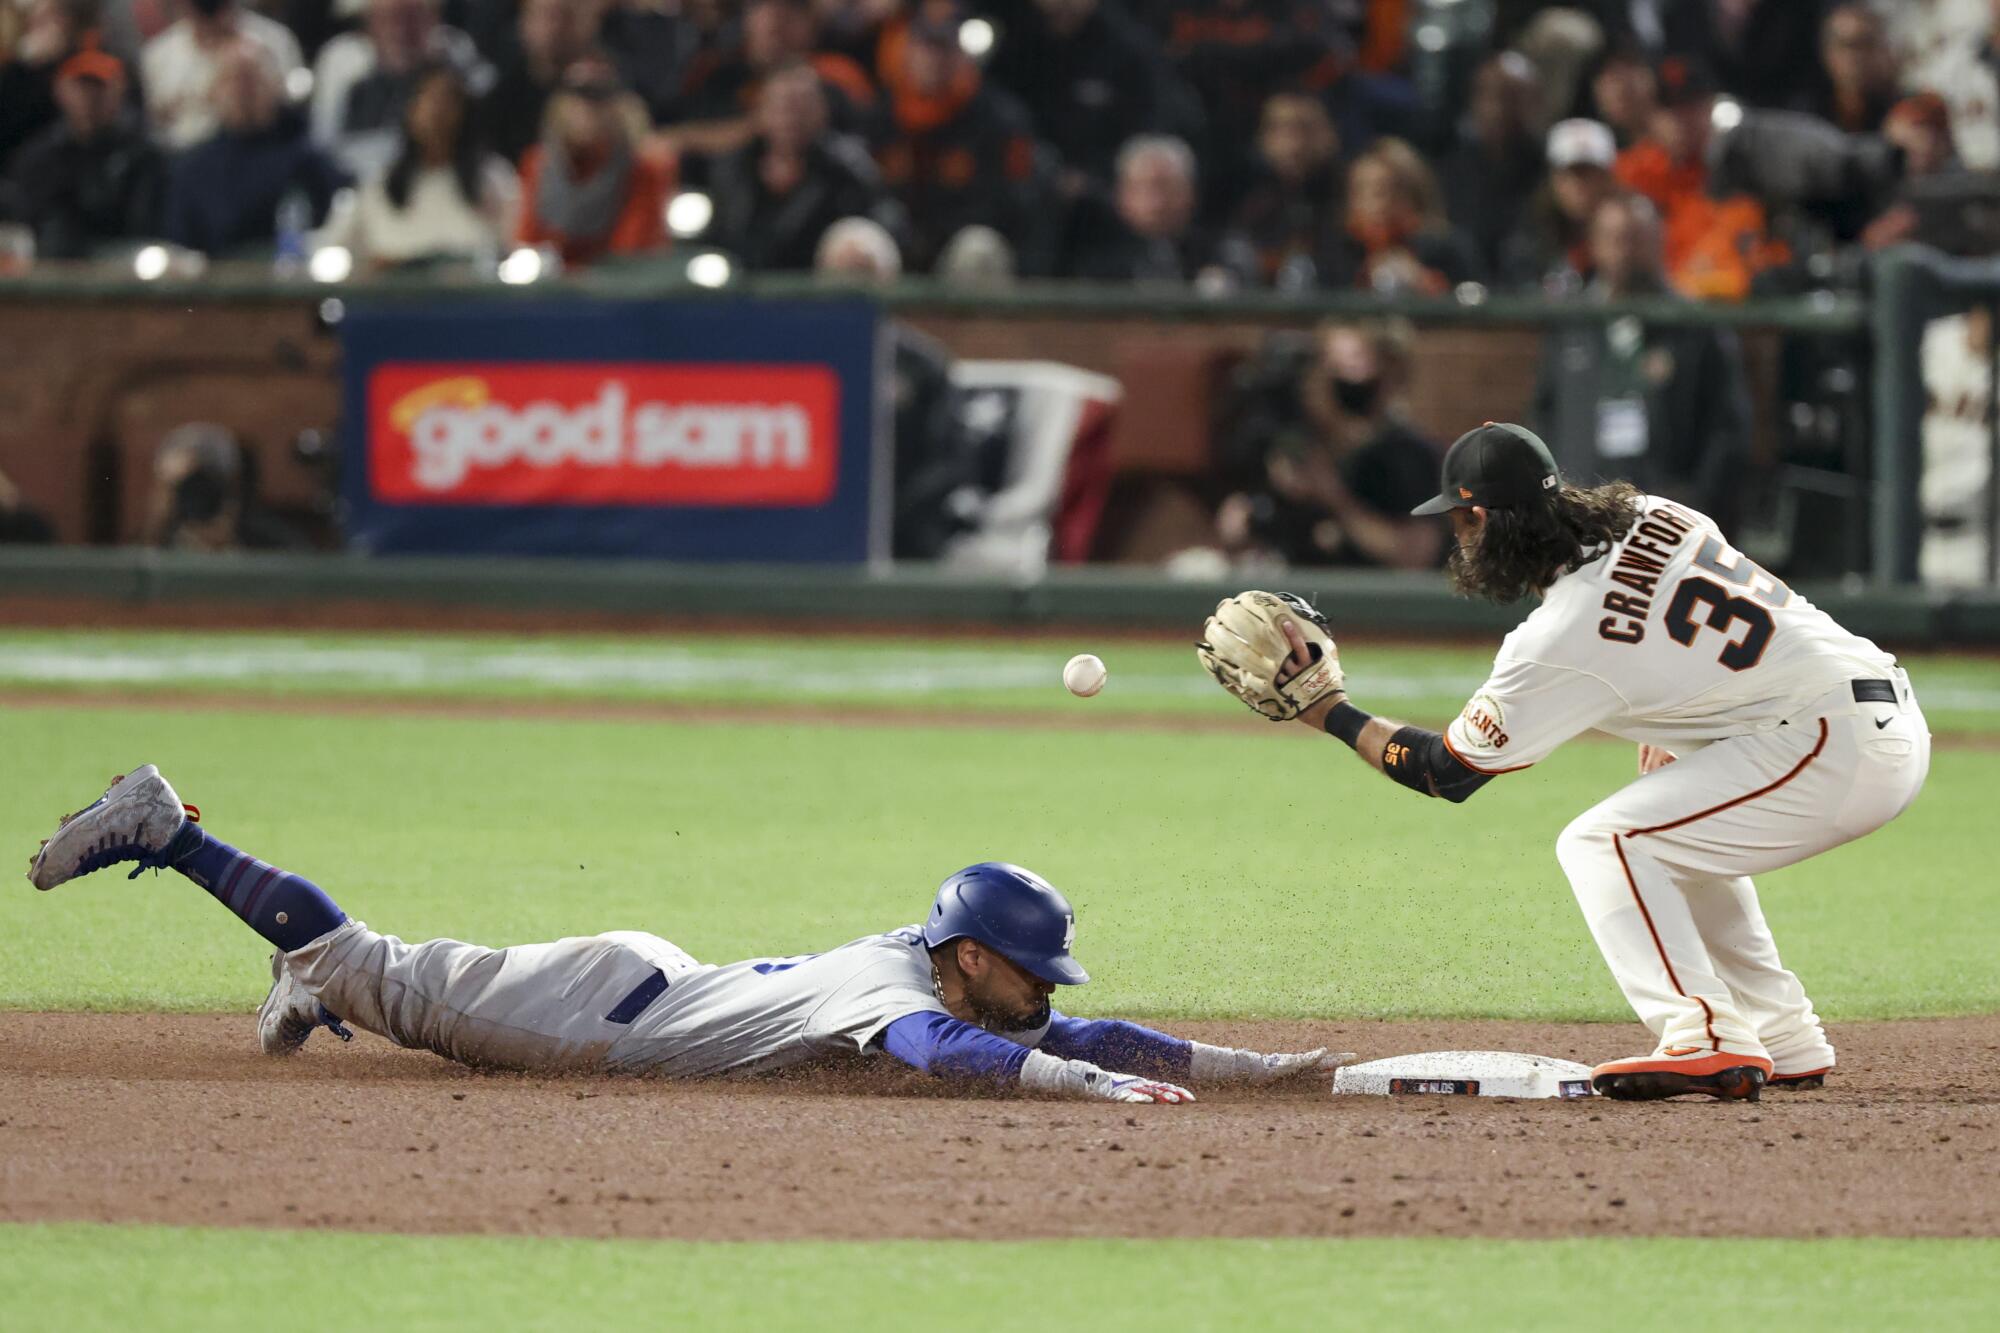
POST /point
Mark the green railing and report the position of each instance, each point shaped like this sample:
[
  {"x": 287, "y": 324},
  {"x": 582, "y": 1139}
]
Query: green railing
[
  {"x": 660, "y": 279},
  {"x": 1096, "y": 597}
]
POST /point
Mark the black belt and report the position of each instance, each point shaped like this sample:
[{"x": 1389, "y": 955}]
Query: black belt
[
  {"x": 641, "y": 995},
  {"x": 1875, "y": 691}
]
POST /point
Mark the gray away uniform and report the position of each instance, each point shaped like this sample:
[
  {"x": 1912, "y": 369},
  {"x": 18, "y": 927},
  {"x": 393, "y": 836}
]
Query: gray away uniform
[{"x": 623, "y": 1001}]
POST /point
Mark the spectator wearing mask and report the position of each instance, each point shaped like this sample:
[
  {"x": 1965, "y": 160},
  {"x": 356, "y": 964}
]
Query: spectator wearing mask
[
  {"x": 1091, "y": 77},
  {"x": 717, "y": 100},
  {"x": 178, "y": 68},
  {"x": 550, "y": 36},
  {"x": 1664, "y": 407},
  {"x": 1625, "y": 94},
  {"x": 776, "y": 196},
  {"x": 1289, "y": 224},
  {"x": 362, "y": 79},
  {"x": 225, "y": 192},
  {"x": 1856, "y": 81},
  {"x": 1715, "y": 247},
  {"x": 938, "y": 485},
  {"x": 92, "y": 177},
  {"x": 444, "y": 196},
  {"x": 1328, "y": 472},
  {"x": 1148, "y": 234},
  {"x": 954, "y": 150},
  {"x": 1550, "y": 250},
  {"x": 1396, "y": 240},
  {"x": 592, "y": 188},
  {"x": 1493, "y": 170},
  {"x": 52, "y": 31}
]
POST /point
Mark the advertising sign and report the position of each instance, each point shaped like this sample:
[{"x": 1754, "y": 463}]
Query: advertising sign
[{"x": 706, "y": 430}]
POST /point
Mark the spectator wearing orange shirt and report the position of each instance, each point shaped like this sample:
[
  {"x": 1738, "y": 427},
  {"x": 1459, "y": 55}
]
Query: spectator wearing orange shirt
[
  {"x": 1715, "y": 247},
  {"x": 591, "y": 188},
  {"x": 1397, "y": 241},
  {"x": 954, "y": 150}
]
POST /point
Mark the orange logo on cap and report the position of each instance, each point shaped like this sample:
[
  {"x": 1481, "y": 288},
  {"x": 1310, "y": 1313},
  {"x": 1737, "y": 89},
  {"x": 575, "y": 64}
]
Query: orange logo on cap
[{"x": 1464, "y": 494}]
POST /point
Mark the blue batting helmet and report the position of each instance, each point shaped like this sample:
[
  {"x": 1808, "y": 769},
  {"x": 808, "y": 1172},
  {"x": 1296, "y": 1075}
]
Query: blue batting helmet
[{"x": 1014, "y": 912}]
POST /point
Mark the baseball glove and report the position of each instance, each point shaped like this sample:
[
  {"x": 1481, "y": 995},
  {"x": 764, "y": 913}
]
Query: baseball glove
[{"x": 1243, "y": 646}]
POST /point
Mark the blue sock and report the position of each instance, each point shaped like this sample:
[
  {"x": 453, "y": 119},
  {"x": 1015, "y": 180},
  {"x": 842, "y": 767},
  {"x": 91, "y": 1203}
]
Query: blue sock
[{"x": 288, "y": 911}]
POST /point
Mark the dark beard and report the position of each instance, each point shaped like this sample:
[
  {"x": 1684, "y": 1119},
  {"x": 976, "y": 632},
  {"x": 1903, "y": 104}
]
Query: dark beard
[{"x": 1002, "y": 1023}]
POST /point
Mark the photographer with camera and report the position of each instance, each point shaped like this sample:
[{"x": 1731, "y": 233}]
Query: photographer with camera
[{"x": 1323, "y": 462}]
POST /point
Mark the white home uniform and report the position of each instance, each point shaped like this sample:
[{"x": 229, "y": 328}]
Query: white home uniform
[
  {"x": 623, "y": 1001},
  {"x": 1793, "y": 736}
]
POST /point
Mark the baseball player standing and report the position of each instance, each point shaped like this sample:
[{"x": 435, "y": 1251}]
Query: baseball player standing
[
  {"x": 965, "y": 995},
  {"x": 1767, "y": 734}
]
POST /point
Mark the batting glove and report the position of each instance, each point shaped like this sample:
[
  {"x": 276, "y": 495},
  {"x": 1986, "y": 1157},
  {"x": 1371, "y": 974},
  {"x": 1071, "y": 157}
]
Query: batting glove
[
  {"x": 1226, "y": 1064},
  {"x": 1080, "y": 1078}
]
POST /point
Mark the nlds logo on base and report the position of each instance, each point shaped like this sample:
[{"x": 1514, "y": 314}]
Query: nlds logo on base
[{"x": 583, "y": 434}]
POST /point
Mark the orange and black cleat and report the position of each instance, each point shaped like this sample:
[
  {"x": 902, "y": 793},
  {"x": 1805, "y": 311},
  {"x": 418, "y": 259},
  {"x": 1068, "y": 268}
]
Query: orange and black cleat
[
  {"x": 1810, "y": 1081},
  {"x": 1682, "y": 1071}
]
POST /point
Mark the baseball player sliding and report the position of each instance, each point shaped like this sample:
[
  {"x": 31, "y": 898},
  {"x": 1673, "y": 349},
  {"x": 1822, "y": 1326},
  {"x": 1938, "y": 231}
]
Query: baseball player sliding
[
  {"x": 965, "y": 995},
  {"x": 1767, "y": 734}
]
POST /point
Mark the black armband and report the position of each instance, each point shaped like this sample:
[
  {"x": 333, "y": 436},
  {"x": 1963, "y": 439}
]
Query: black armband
[
  {"x": 1421, "y": 761},
  {"x": 1344, "y": 722}
]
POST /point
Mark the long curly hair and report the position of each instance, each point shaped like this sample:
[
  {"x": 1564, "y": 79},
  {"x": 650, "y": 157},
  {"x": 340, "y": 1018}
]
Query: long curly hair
[{"x": 1522, "y": 549}]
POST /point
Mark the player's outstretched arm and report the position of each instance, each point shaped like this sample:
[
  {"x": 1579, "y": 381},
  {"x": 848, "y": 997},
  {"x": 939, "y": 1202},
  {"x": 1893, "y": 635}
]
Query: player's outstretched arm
[
  {"x": 1274, "y": 652},
  {"x": 1123, "y": 1045},
  {"x": 1413, "y": 756},
  {"x": 952, "y": 1048}
]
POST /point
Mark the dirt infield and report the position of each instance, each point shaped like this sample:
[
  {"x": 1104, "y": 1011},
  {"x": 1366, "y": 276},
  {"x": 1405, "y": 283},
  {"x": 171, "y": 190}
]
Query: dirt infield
[{"x": 143, "y": 1118}]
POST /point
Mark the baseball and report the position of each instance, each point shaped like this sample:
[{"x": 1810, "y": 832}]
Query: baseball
[{"x": 1083, "y": 675}]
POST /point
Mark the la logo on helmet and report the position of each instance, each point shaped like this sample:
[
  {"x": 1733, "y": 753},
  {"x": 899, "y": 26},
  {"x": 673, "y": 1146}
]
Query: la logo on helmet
[{"x": 1069, "y": 932}]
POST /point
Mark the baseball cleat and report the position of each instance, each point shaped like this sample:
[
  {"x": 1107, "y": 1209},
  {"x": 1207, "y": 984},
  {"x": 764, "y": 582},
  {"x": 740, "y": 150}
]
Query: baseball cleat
[
  {"x": 1681, "y": 1071},
  {"x": 1809, "y": 1081},
  {"x": 289, "y": 1013},
  {"x": 136, "y": 819}
]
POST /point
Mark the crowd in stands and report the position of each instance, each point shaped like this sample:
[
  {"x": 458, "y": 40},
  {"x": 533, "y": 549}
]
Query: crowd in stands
[
  {"x": 1683, "y": 149},
  {"x": 1398, "y": 146}
]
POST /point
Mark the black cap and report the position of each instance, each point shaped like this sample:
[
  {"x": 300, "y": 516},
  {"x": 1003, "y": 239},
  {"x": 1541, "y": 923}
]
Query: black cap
[
  {"x": 1683, "y": 81},
  {"x": 1495, "y": 465}
]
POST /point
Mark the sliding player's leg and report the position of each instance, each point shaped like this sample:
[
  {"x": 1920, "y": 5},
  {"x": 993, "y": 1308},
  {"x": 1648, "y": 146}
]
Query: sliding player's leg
[{"x": 534, "y": 1006}]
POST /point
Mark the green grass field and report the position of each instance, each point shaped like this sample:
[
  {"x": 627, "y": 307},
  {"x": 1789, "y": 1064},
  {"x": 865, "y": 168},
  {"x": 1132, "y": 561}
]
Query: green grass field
[
  {"x": 1217, "y": 872},
  {"x": 118, "y": 1279}
]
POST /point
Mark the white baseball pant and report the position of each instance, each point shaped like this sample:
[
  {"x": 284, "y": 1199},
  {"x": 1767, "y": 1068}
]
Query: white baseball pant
[
  {"x": 533, "y": 1006},
  {"x": 1661, "y": 868}
]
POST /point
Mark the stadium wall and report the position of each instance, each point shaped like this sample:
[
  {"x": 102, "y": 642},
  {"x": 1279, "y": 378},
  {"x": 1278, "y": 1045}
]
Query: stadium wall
[
  {"x": 101, "y": 368},
  {"x": 72, "y": 585}
]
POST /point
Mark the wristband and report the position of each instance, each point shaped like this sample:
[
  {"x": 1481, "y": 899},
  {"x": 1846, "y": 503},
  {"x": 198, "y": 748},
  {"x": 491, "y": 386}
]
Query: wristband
[
  {"x": 1344, "y": 722},
  {"x": 1225, "y": 1064}
]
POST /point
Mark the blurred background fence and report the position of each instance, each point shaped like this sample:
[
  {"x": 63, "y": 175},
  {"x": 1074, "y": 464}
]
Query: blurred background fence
[{"x": 1830, "y": 477}]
